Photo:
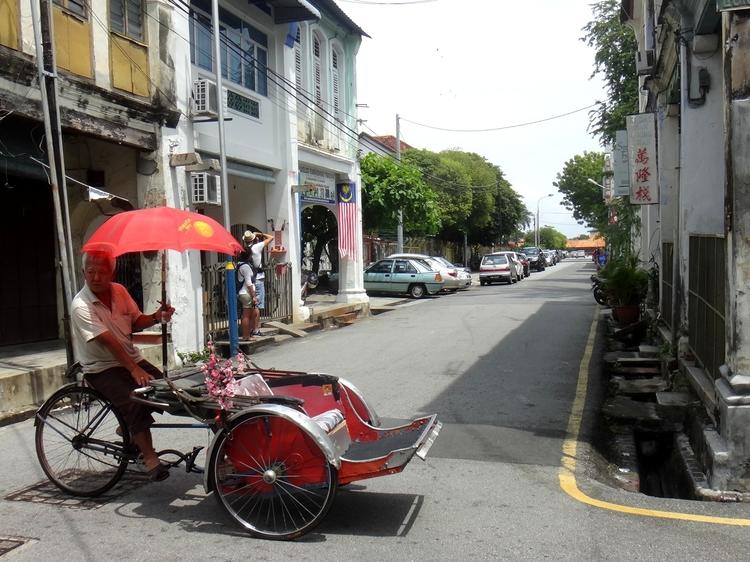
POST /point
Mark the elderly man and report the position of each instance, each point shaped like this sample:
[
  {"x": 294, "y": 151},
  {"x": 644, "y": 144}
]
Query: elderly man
[{"x": 103, "y": 318}]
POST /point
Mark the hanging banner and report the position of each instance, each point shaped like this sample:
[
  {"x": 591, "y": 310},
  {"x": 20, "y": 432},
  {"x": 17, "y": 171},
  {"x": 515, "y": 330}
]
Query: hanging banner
[
  {"x": 644, "y": 185},
  {"x": 620, "y": 165}
]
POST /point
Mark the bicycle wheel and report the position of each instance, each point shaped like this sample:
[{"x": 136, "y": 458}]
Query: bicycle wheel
[
  {"x": 271, "y": 477},
  {"x": 77, "y": 441}
]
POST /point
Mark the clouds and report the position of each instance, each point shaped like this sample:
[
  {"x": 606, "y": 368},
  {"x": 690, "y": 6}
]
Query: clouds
[{"x": 480, "y": 64}]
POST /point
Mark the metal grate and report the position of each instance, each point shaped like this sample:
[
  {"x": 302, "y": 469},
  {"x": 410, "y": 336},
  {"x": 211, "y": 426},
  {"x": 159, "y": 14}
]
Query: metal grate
[
  {"x": 128, "y": 274},
  {"x": 706, "y": 301},
  {"x": 667, "y": 282},
  {"x": 278, "y": 285},
  {"x": 10, "y": 543},
  {"x": 45, "y": 492}
]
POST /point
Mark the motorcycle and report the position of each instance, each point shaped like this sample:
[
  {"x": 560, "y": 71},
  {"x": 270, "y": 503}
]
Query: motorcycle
[{"x": 597, "y": 286}]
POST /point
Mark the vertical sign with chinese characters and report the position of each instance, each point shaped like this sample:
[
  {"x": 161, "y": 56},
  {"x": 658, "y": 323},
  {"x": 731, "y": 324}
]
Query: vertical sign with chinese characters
[{"x": 644, "y": 185}]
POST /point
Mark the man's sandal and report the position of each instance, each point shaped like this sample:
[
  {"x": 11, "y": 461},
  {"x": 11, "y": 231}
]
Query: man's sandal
[{"x": 158, "y": 473}]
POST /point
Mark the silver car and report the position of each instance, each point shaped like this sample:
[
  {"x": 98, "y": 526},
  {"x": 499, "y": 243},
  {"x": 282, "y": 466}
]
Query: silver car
[{"x": 447, "y": 270}]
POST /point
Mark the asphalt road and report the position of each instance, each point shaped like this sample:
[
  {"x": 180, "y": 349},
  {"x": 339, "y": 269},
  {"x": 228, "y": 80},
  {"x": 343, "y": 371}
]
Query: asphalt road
[{"x": 499, "y": 365}]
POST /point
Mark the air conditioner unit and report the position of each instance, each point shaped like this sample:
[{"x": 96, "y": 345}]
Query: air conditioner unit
[
  {"x": 205, "y": 101},
  {"x": 645, "y": 60},
  {"x": 205, "y": 188}
]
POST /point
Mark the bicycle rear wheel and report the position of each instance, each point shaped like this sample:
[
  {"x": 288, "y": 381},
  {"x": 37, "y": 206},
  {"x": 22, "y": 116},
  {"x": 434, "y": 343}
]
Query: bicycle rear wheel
[
  {"x": 77, "y": 441},
  {"x": 271, "y": 477}
]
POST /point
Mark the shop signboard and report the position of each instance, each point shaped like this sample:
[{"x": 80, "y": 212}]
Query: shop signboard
[
  {"x": 322, "y": 186},
  {"x": 644, "y": 184}
]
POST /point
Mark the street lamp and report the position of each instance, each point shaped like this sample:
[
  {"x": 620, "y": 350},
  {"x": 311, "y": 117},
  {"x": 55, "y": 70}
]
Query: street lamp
[
  {"x": 596, "y": 183},
  {"x": 536, "y": 233}
]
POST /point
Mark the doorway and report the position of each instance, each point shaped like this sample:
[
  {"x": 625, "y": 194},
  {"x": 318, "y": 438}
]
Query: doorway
[{"x": 28, "y": 285}]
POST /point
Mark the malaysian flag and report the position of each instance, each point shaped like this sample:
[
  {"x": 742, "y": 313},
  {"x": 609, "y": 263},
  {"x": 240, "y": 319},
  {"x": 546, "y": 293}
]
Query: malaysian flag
[{"x": 347, "y": 221}]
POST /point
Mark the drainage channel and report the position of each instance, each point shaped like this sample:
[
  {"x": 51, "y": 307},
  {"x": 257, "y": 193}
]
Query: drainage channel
[{"x": 661, "y": 469}]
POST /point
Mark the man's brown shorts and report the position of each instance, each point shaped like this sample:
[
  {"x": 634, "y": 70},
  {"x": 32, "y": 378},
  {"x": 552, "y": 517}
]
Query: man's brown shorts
[{"x": 116, "y": 384}]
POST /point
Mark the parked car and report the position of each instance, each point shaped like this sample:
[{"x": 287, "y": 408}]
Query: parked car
[
  {"x": 549, "y": 255},
  {"x": 447, "y": 270},
  {"x": 497, "y": 267},
  {"x": 521, "y": 257},
  {"x": 536, "y": 258},
  {"x": 464, "y": 278},
  {"x": 403, "y": 276},
  {"x": 515, "y": 260}
]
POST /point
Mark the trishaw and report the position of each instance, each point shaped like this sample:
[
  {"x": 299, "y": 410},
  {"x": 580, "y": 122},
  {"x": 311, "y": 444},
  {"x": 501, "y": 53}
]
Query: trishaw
[
  {"x": 278, "y": 452},
  {"x": 276, "y": 457}
]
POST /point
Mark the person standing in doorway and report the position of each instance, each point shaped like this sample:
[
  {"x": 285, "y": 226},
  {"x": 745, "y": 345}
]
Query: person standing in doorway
[
  {"x": 256, "y": 243},
  {"x": 246, "y": 294}
]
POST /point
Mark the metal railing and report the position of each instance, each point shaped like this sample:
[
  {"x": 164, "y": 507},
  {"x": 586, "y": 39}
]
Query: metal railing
[
  {"x": 128, "y": 274},
  {"x": 706, "y": 301},
  {"x": 278, "y": 306},
  {"x": 667, "y": 283}
]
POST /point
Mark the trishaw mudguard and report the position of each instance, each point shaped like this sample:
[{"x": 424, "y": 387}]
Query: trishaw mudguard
[{"x": 327, "y": 445}]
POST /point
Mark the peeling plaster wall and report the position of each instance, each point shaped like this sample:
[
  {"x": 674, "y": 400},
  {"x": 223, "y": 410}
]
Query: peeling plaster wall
[
  {"x": 738, "y": 345},
  {"x": 702, "y": 174}
]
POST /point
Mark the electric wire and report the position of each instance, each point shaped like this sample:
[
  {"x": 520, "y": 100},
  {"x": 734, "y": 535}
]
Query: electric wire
[
  {"x": 296, "y": 92},
  {"x": 285, "y": 85},
  {"x": 503, "y": 128}
]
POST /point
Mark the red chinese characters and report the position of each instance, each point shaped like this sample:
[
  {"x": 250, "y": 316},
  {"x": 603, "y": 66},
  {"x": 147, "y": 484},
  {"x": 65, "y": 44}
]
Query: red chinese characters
[{"x": 642, "y": 175}]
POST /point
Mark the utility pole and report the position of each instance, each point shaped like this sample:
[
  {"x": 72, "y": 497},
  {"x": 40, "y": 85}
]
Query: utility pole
[
  {"x": 400, "y": 227},
  {"x": 220, "y": 112},
  {"x": 45, "y": 63},
  {"x": 536, "y": 230},
  {"x": 231, "y": 273}
]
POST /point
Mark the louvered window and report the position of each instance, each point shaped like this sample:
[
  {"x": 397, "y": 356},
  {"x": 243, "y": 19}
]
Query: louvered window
[
  {"x": 298, "y": 70},
  {"x": 318, "y": 73},
  {"x": 335, "y": 75}
]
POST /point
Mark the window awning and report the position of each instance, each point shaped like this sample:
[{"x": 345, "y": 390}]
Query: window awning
[{"x": 285, "y": 11}]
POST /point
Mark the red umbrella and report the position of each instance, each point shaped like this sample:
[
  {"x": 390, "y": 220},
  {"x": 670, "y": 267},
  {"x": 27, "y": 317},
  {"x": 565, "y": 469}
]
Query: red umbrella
[{"x": 161, "y": 228}]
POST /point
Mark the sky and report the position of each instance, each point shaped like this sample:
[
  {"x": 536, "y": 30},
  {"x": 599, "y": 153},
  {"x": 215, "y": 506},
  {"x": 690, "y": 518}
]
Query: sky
[{"x": 477, "y": 64}]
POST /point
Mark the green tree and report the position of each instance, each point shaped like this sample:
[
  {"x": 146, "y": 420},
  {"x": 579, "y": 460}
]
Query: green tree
[
  {"x": 582, "y": 237},
  {"x": 579, "y": 195},
  {"x": 550, "y": 237},
  {"x": 387, "y": 187},
  {"x": 483, "y": 181},
  {"x": 442, "y": 175},
  {"x": 615, "y": 47}
]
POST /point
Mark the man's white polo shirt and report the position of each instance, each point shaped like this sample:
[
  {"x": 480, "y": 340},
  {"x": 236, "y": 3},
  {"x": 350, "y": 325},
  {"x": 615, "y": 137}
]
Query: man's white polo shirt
[{"x": 91, "y": 318}]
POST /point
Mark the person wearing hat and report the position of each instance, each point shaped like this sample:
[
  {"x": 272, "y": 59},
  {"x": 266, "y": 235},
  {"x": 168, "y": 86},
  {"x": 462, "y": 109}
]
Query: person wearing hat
[{"x": 256, "y": 242}]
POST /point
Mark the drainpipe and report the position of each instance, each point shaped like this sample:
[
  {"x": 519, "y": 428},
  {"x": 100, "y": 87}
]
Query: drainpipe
[{"x": 63, "y": 247}]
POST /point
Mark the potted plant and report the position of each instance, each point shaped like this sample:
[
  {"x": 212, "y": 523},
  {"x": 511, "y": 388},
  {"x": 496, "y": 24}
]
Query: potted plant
[{"x": 626, "y": 285}]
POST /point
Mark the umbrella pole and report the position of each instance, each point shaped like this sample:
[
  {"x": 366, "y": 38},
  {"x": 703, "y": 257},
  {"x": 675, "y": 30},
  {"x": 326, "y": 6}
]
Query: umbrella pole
[{"x": 163, "y": 304}]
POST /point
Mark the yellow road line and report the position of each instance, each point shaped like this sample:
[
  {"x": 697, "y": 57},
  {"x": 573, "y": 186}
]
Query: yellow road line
[{"x": 570, "y": 447}]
